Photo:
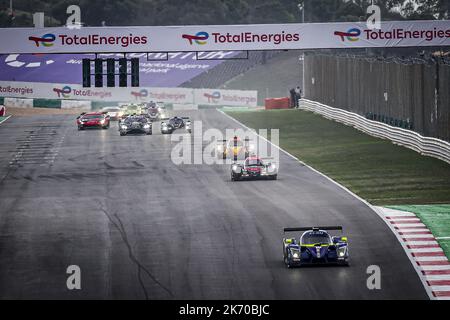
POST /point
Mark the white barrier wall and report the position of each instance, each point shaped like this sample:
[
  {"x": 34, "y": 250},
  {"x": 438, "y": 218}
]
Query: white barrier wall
[
  {"x": 18, "y": 103},
  {"x": 69, "y": 104},
  {"x": 211, "y": 97},
  {"x": 424, "y": 145}
]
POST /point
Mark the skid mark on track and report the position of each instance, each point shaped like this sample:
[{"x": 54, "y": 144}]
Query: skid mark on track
[{"x": 117, "y": 223}]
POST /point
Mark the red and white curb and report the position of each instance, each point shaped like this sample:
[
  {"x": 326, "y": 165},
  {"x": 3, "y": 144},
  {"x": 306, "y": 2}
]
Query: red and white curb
[{"x": 423, "y": 249}]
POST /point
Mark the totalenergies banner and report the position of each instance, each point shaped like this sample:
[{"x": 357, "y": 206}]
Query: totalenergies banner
[
  {"x": 212, "y": 97},
  {"x": 225, "y": 97},
  {"x": 224, "y": 37}
]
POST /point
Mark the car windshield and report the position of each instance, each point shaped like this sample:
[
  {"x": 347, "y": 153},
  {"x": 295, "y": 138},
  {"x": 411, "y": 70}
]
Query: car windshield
[
  {"x": 92, "y": 116},
  {"x": 253, "y": 162},
  {"x": 315, "y": 237},
  {"x": 111, "y": 109}
]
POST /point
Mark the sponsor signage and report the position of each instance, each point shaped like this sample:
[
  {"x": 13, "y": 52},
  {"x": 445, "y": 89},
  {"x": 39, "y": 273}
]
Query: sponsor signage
[
  {"x": 225, "y": 97},
  {"x": 226, "y": 37},
  {"x": 210, "y": 97}
]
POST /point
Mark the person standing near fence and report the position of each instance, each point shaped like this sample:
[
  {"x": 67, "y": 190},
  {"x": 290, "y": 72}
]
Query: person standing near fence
[
  {"x": 298, "y": 95},
  {"x": 292, "y": 94}
]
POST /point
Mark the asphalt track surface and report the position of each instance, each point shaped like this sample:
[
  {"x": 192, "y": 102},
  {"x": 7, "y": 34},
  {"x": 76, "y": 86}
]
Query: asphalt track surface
[{"x": 140, "y": 226}]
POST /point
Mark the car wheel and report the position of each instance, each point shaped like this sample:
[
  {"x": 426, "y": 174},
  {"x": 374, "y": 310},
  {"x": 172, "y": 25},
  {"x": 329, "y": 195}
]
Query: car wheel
[
  {"x": 123, "y": 133},
  {"x": 273, "y": 177},
  {"x": 80, "y": 128}
]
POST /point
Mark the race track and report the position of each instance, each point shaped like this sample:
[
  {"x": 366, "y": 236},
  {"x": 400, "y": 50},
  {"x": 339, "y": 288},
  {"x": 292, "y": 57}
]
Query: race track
[{"x": 142, "y": 227}]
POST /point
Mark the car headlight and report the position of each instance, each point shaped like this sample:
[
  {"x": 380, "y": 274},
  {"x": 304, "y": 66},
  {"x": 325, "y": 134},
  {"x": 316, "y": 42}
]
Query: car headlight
[
  {"x": 124, "y": 127},
  {"x": 295, "y": 253},
  {"x": 341, "y": 251},
  {"x": 146, "y": 126},
  {"x": 234, "y": 167}
]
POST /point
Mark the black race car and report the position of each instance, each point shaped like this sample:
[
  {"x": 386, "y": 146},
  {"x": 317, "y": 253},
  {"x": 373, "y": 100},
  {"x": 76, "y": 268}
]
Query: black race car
[
  {"x": 169, "y": 125},
  {"x": 135, "y": 124}
]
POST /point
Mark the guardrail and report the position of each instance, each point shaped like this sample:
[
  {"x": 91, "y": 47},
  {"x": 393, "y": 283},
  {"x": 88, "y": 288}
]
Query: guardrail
[{"x": 424, "y": 145}]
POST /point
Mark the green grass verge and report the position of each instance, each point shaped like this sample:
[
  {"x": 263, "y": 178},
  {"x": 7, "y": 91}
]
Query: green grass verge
[
  {"x": 375, "y": 169},
  {"x": 436, "y": 218}
]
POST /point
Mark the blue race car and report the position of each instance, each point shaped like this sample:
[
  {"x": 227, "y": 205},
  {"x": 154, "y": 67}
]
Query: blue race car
[{"x": 315, "y": 246}]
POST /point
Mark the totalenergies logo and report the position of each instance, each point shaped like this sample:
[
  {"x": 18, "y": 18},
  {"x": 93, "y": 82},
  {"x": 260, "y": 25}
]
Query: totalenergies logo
[
  {"x": 64, "y": 92},
  {"x": 46, "y": 40},
  {"x": 351, "y": 35},
  {"x": 199, "y": 38},
  {"x": 213, "y": 97},
  {"x": 140, "y": 94}
]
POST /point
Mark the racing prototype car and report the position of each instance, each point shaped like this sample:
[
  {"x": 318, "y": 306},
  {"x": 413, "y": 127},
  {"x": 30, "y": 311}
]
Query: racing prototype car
[
  {"x": 154, "y": 111},
  {"x": 93, "y": 120},
  {"x": 315, "y": 246},
  {"x": 131, "y": 109},
  {"x": 115, "y": 113},
  {"x": 135, "y": 124},
  {"x": 235, "y": 148},
  {"x": 253, "y": 168},
  {"x": 174, "y": 123}
]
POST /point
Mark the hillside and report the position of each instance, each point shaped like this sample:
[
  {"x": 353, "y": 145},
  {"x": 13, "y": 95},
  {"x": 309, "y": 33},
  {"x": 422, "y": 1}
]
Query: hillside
[{"x": 273, "y": 79}]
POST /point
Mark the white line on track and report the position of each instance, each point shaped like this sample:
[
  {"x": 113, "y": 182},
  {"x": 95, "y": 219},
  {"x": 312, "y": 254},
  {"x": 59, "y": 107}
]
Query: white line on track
[
  {"x": 422, "y": 243},
  {"x": 437, "y": 277},
  {"x": 434, "y": 268},
  {"x": 426, "y": 250},
  {"x": 416, "y": 225},
  {"x": 440, "y": 288},
  {"x": 438, "y": 258}
]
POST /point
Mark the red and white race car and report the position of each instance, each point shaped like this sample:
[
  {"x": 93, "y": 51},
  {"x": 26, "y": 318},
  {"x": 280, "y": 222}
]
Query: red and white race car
[
  {"x": 93, "y": 120},
  {"x": 253, "y": 168}
]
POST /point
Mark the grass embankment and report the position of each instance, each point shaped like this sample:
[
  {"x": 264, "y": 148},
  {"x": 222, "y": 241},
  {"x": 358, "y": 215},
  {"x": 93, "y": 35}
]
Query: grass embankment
[{"x": 375, "y": 169}]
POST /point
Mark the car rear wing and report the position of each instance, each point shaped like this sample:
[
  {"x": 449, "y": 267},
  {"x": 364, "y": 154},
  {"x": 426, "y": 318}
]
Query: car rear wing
[{"x": 338, "y": 228}]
